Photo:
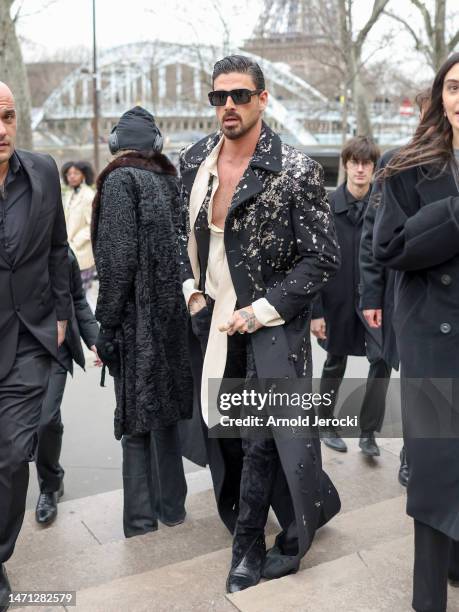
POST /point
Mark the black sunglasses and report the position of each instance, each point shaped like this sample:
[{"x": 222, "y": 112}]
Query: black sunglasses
[{"x": 238, "y": 96}]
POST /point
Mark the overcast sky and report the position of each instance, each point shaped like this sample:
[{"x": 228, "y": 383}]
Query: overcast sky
[
  {"x": 68, "y": 23},
  {"x": 47, "y": 26}
]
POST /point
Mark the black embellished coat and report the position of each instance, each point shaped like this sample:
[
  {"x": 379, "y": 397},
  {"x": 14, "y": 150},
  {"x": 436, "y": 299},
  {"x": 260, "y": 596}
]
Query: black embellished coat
[
  {"x": 416, "y": 233},
  {"x": 280, "y": 244},
  {"x": 135, "y": 247}
]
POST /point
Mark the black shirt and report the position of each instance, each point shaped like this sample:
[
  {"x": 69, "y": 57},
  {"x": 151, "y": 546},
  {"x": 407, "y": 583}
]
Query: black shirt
[
  {"x": 15, "y": 197},
  {"x": 356, "y": 207}
]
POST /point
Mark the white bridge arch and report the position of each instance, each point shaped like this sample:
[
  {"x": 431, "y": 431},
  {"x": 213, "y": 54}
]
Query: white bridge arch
[{"x": 172, "y": 81}]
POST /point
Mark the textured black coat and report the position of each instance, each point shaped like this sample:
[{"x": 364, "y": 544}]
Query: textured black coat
[
  {"x": 34, "y": 287},
  {"x": 417, "y": 233},
  {"x": 280, "y": 244},
  {"x": 140, "y": 295},
  {"x": 338, "y": 301},
  {"x": 377, "y": 281}
]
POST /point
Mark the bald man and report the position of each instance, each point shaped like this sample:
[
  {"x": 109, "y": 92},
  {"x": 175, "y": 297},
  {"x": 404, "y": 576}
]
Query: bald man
[{"x": 35, "y": 305}]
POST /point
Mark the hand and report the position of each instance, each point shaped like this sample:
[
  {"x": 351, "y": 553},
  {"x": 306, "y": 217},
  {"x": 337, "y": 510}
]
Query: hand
[
  {"x": 319, "y": 328},
  {"x": 98, "y": 360},
  {"x": 61, "y": 329},
  {"x": 373, "y": 317},
  {"x": 108, "y": 350},
  {"x": 196, "y": 303},
  {"x": 242, "y": 321}
]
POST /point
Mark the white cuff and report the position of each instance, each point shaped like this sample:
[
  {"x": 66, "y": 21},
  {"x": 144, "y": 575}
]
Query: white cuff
[
  {"x": 266, "y": 314},
  {"x": 189, "y": 287}
]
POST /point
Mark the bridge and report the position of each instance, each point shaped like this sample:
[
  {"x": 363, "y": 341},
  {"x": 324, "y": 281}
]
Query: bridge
[{"x": 172, "y": 81}]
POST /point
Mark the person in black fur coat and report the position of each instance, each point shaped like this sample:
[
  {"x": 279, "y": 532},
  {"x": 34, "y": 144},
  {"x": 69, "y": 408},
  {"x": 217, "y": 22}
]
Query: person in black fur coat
[{"x": 143, "y": 319}]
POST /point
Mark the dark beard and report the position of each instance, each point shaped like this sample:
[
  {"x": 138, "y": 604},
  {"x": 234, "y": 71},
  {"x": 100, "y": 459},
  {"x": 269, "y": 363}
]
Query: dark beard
[{"x": 239, "y": 131}]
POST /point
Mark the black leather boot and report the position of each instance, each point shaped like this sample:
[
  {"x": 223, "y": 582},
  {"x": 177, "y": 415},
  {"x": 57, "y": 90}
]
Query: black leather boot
[
  {"x": 246, "y": 571},
  {"x": 331, "y": 438},
  {"x": 277, "y": 564},
  {"x": 368, "y": 444},
  {"x": 5, "y": 589}
]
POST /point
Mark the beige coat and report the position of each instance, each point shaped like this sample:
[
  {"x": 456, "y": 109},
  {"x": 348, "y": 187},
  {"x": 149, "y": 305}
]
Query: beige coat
[{"x": 78, "y": 209}]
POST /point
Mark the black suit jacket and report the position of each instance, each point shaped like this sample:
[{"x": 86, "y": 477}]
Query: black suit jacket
[
  {"x": 34, "y": 287},
  {"x": 83, "y": 324}
]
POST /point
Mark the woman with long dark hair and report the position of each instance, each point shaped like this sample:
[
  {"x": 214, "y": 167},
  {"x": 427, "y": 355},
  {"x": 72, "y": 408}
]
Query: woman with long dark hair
[{"x": 417, "y": 234}]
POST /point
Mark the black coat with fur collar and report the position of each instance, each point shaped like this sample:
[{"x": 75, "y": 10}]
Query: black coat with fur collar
[{"x": 135, "y": 248}]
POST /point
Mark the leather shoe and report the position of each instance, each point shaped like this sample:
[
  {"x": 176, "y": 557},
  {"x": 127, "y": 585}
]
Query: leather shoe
[
  {"x": 46, "y": 510},
  {"x": 333, "y": 440},
  {"x": 5, "y": 589},
  {"x": 277, "y": 565},
  {"x": 368, "y": 444},
  {"x": 403, "y": 472},
  {"x": 173, "y": 523},
  {"x": 247, "y": 572}
]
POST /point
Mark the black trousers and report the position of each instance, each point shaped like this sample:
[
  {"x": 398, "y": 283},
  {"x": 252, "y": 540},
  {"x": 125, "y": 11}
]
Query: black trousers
[
  {"x": 250, "y": 465},
  {"x": 374, "y": 401},
  {"x": 49, "y": 470},
  {"x": 153, "y": 480},
  {"x": 436, "y": 557},
  {"x": 21, "y": 396},
  {"x": 257, "y": 480}
]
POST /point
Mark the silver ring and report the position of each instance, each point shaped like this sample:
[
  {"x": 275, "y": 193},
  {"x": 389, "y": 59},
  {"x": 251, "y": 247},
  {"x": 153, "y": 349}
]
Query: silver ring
[{"x": 242, "y": 333}]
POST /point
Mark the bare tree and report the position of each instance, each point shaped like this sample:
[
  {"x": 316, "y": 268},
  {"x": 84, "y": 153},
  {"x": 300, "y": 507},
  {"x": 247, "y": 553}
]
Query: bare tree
[
  {"x": 13, "y": 72},
  {"x": 435, "y": 42},
  {"x": 352, "y": 44}
]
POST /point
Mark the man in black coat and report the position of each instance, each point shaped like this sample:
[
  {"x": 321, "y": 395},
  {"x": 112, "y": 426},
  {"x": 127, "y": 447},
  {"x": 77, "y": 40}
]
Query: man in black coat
[
  {"x": 35, "y": 306},
  {"x": 338, "y": 321},
  {"x": 82, "y": 326},
  {"x": 258, "y": 242}
]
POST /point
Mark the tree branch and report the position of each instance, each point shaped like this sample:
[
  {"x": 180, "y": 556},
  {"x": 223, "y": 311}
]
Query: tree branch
[
  {"x": 453, "y": 42},
  {"x": 426, "y": 16},
  {"x": 419, "y": 45},
  {"x": 378, "y": 8}
]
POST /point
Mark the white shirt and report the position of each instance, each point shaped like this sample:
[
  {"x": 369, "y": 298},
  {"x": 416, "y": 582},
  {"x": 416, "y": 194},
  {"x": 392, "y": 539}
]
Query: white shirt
[{"x": 265, "y": 313}]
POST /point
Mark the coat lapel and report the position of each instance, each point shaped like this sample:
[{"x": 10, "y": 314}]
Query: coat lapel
[
  {"x": 433, "y": 189},
  {"x": 268, "y": 157},
  {"x": 35, "y": 205},
  {"x": 338, "y": 200},
  {"x": 193, "y": 158}
]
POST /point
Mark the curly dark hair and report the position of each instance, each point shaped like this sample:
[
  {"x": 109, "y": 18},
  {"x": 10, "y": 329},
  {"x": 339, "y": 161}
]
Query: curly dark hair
[{"x": 83, "y": 166}]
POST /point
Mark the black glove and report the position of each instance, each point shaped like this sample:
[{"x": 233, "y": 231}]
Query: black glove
[{"x": 108, "y": 350}]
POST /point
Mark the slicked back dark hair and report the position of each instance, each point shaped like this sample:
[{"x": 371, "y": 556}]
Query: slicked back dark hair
[
  {"x": 83, "y": 166},
  {"x": 360, "y": 149},
  {"x": 242, "y": 64}
]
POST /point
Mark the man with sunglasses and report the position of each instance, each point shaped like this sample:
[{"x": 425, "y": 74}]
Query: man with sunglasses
[{"x": 261, "y": 244}]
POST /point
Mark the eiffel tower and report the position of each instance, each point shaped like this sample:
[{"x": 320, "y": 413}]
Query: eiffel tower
[
  {"x": 284, "y": 18},
  {"x": 287, "y": 32}
]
